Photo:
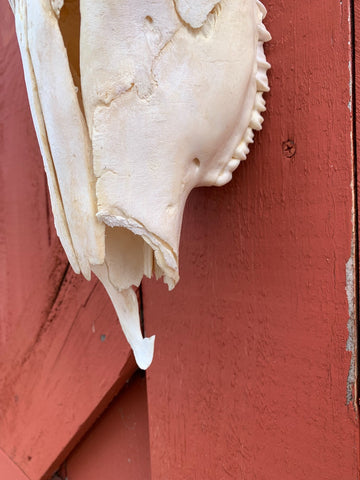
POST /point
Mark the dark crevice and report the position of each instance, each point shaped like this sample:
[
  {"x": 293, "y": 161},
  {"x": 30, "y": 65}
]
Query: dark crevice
[
  {"x": 44, "y": 326},
  {"x": 141, "y": 310},
  {"x": 69, "y": 24},
  {"x": 58, "y": 290},
  {"x": 61, "y": 474}
]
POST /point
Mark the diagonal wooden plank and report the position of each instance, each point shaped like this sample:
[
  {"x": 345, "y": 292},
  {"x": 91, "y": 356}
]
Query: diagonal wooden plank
[
  {"x": 8, "y": 469},
  {"x": 76, "y": 364}
]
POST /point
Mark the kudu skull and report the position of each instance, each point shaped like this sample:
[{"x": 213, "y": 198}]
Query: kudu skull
[{"x": 135, "y": 103}]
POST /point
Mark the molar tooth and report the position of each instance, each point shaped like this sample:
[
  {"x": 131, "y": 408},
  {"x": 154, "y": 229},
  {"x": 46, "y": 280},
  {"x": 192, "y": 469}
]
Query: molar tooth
[
  {"x": 256, "y": 120},
  {"x": 264, "y": 35},
  {"x": 249, "y": 136},
  {"x": 224, "y": 178},
  {"x": 260, "y": 102},
  {"x": 240, "y": 152},
  {"x": 233, "y": 164}
]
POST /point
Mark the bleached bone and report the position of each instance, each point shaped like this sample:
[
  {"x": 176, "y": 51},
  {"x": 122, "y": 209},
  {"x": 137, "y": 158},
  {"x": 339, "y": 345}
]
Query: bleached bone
[{"x": 135, "y": 103}]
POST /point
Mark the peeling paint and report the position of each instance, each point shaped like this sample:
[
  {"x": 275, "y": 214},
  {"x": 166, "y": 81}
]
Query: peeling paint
[{"x": 351, "y": 341}]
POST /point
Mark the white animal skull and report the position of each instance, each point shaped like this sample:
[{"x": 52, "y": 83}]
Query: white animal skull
[{"x": 135, "y": 103}]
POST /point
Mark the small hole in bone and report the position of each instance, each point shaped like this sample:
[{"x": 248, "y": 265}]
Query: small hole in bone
[
  {"x": 149, "y": 19},
  {"x": 196, "y": 162}
]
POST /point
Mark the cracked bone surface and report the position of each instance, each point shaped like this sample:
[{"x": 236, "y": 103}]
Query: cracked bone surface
[{"x": 135, "y": 103}]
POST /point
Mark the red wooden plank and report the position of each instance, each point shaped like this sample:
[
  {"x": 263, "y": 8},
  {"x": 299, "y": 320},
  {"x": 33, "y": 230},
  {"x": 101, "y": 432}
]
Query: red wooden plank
[
  {"x": 356, "y": 118},
  {"x": 357, "y": 75},
  {"x": 118, "y": 444},
  {"x": 250, "y": 372},
  {"x": 78, "y": 362},
  {"x": 63, "y": 356},
  {"x": 32, "y": 262},
  {"x": 8, "y": 469}
]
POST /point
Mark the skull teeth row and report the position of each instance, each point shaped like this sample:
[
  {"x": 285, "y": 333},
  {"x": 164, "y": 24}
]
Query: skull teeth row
[{"x": 256, "y": 119}]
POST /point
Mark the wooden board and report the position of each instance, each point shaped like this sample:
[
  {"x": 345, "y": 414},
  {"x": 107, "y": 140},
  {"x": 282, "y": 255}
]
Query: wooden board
[
  {"x": 250, "y": 377},
  {"x": 9, "y": 470},
  {"x": 63, "y": 356},
  {"x": 356, "y": 135},
  {"x": 117, "y": 447}
]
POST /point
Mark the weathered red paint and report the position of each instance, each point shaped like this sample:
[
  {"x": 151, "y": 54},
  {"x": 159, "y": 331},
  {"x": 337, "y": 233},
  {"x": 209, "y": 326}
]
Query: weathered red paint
[
  {"x": 62, "y": 353},
  {"x": 250, "y": 374},
  {"x": 8, "y": 470},
  {"x": 356, "y": 110},
  {"x": 117, "y": 447}
]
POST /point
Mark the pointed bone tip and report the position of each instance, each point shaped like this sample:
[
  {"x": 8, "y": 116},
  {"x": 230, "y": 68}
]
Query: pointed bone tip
[
  {"x": 86, "y": 273},
  {"x": 144, "y": 352}
]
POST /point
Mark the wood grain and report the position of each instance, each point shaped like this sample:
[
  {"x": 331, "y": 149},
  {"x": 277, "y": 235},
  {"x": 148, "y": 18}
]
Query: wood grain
[{"x": 250, "y": 377}]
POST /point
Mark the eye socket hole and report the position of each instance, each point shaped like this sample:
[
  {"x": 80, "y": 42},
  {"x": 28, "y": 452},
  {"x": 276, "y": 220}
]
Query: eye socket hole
[
  {"x": 149, "y": 19},
  {"x": 196, "y": 162}
]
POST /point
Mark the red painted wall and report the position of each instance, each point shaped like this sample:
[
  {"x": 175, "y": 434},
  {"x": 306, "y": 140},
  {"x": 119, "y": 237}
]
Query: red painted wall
[
  {"x": 117, "y": 447},
  {"x": 250, "y": 373},
  {"x": 250, "y": 376},
  {"x": 8, "y": 469}
]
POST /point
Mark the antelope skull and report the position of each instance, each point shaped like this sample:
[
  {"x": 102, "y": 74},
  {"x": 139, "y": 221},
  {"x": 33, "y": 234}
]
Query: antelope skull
[{"x": 135, "y": 103}]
